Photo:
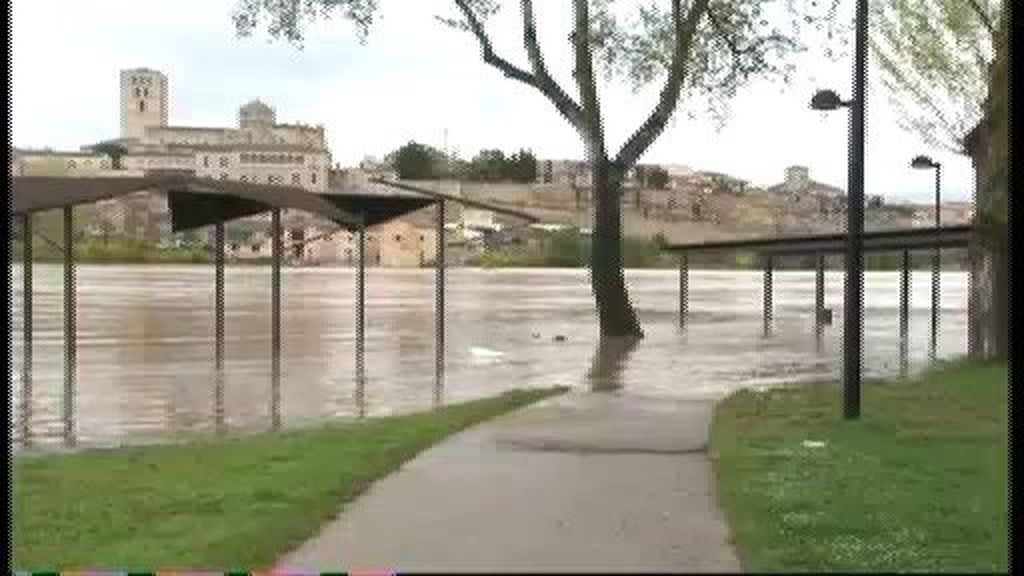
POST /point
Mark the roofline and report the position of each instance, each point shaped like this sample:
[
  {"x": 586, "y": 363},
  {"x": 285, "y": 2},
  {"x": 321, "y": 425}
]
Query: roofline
[
  {"x": 911, "y": 238},
  {"x": 247, "y": 146},
  {"x": 89, "y": 153}
]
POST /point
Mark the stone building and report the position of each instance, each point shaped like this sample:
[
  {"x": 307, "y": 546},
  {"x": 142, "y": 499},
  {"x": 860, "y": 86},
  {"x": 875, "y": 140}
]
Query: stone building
[
  {"x": 571, "y": 173},
  {"x": 258, "y": 149},
  {"x": 395, "y": 244}
]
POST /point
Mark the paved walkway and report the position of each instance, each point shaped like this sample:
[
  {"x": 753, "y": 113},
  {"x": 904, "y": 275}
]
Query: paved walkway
[{"x": 581, "y": 482}]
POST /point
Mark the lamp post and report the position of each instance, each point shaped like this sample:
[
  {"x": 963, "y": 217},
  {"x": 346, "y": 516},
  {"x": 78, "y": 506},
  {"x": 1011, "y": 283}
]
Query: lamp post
[
  {"x": 925, "y": 163},
  {"x": 853, "y": 289}
]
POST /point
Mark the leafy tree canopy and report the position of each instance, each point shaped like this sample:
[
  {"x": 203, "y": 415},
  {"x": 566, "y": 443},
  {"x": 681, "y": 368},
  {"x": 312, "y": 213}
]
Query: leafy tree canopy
[
  {"x": 934, "y": 58},
  {"x": 708, "y": 47},
  {"x": 415, "y": 161}
]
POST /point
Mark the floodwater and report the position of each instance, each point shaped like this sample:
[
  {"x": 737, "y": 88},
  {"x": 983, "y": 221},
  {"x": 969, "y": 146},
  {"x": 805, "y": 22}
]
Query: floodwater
[{"x": 145, "y": 341}]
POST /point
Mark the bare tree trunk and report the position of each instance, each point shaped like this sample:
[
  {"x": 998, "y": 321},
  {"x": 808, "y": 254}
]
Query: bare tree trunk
[
  {"x": 616, "y": 316},
  {"x": 1000, "y": 313},
  {"x": 609, "y": 363}
]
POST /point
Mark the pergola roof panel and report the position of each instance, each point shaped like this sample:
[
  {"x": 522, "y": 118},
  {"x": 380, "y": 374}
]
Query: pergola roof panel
[
  {"x": 193, "y": 202},
  {"x": 378, "y": 208}
]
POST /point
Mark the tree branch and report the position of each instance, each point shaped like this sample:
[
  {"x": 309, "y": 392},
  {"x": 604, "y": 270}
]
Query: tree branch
[
  {"x": 510, "y": 70},
  {"x": 655, "y": 123},
  {"x": 986, "y": 20},
  {"x": 544, "y": 82},
  {"x": 584, "y": 74},
  {"x": 736, "y": 52}
]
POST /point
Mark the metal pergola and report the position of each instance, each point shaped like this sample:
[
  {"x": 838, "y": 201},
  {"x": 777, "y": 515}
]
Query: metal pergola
[
  {"x": 197, "y": 202},
  {"x": 820, "y": 245}
]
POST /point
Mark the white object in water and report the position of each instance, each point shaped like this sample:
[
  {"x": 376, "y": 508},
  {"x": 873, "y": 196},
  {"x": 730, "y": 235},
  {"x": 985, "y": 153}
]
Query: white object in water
[
  {"x": 813, "y": 444},
  {"x": 478, "y": 352}
]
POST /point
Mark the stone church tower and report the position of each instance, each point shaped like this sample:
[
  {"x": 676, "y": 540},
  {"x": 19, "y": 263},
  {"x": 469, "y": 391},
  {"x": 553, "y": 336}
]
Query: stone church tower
[{"x": 143, "y": 101}]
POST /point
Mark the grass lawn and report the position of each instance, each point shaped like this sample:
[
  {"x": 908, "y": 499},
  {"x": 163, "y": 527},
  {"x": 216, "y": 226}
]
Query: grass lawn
[
  {"x": 219, "y": 503},
  {"x": 918, "y": 483}
]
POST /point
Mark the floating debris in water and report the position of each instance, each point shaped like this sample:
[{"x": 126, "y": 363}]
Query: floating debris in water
[
  {"x": 559, "y": 338},
  {"x": 813, "y": 444},
  {"x": 485, "y": 352}
]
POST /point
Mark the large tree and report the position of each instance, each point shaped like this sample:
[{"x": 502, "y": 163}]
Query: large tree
[
  {"x": 697, "y": 50},
  {"x": 415, "y": 161},
  {"x": 934, "y": 58},
  {"x": 944, "y": 63}
]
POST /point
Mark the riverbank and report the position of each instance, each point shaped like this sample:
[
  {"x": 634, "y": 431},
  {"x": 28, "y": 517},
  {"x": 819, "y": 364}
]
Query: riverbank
[
  {"x": 218, "y": 503},
  {"x": 918, "y": 483}
]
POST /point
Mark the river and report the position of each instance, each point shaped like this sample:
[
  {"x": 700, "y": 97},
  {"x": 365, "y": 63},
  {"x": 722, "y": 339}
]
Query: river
[{"x": 145, "y": 340}]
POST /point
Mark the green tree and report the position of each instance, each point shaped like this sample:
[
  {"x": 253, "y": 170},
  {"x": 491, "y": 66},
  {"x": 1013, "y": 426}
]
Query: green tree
[
  {"x": 993, "y": 207},
  {"x": 489, "y": 166},
  {"x": 565, "y": 249},
  {"x": 944, "y": 63},
  {"x": 657, "y": 177},
  {"x": 698, "y": 50},
  {"x": 523, "y": 166},
  {"x": 934, "y": 58},
  {"x": 112, "y": 149},
  {"x": 415, "y": 161}
]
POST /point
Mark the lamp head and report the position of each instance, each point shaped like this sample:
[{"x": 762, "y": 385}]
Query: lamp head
[
  {"x": 922, "y": 162},
  {"x": 827, "y": 100}
]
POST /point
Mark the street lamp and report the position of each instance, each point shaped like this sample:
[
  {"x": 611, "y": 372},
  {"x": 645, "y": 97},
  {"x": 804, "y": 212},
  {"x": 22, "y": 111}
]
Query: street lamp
[
  {"x": 853, "y": 295},
  {"x": 827, "y": 100},
  {"x": 926, "y": 163}
]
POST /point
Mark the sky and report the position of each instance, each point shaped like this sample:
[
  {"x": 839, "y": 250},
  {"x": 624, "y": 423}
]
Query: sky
[{"x": 415, "y": 79}]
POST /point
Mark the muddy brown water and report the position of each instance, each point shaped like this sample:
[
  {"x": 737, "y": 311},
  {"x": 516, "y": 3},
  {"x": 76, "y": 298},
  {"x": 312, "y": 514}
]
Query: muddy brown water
[{"x": 145, "y": 341}]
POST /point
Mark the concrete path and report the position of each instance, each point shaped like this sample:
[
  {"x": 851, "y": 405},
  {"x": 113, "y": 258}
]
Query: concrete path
[{"x": 582, "y": 482}]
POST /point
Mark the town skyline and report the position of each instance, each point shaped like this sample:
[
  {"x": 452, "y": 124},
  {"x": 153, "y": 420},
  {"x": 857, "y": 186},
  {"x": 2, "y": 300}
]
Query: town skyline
[{"x": 207, "y": 91}]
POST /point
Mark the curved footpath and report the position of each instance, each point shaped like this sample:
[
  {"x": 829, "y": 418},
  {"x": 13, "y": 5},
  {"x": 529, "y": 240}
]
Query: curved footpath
[{"x": 580, "y": 482}]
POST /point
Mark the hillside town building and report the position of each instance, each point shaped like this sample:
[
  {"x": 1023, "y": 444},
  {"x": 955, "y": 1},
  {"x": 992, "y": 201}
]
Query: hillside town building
[{"x": 259, "y": 149}]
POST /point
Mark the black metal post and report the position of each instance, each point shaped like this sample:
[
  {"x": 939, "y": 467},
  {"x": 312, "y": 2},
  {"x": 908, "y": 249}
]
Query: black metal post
[
  {"x": 26, "y": 309},
  {"x": 275, "y": 320},
  {"x": 936, "y": 271},
  {"x": 853, "y": 296},
  {"x": 819, "y": 302},
  {"x": 361, "y": 323},
  {"x": 767, "y": 295},
  {"x": 218, "y": 328},
  {"x": 684, "y": 286},
  {"x": 70, "y": 340},
  {"x": 439, "y": 308},
  {"x": 904, "y": 314}
]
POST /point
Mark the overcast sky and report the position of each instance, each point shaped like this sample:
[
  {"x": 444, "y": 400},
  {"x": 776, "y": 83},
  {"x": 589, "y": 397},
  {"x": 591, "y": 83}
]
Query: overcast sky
[{"x": 412, "y": 80}]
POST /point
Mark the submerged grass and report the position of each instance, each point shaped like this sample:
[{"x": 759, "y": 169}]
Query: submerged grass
[
  {"x": 918, "y": 483},
  {"x": 220, "y": 503}
]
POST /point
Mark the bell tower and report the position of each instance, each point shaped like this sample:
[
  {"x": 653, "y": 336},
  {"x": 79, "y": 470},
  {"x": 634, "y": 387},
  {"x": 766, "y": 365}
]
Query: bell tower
[{"x": 143, "y": 101}]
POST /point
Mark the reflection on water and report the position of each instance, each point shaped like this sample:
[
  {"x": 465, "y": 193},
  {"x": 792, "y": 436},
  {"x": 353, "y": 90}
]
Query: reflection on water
[{"x": 145, "y": 336}]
